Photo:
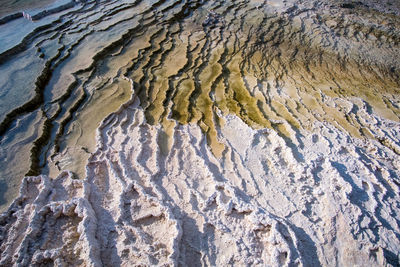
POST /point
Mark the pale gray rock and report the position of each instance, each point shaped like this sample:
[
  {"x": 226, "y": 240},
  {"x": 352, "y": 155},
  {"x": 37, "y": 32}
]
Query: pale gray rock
[{"x": 332, "y": 201}]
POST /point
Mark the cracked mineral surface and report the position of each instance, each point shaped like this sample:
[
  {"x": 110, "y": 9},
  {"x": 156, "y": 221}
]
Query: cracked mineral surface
[{"x": 200, "y": 133}]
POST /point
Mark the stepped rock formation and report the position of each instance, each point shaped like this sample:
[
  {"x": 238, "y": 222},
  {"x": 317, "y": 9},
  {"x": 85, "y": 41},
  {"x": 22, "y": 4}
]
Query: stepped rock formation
[{"x": 196, "y": 133}]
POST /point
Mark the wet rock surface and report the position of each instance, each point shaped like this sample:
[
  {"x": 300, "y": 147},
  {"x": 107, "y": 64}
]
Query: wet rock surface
[
  {"x": 249, "y": 133},
  {"x": 213, "y": 20}
]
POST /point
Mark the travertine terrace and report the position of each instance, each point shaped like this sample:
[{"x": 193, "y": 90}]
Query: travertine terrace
[{"x": 200, "y": 133}]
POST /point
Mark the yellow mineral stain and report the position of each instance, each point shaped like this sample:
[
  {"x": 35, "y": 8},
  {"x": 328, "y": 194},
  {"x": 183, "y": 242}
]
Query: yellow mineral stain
[
  {"x": 82, "y": 136},
  {"x": 181, "y": 101},
  {"x": 249, "y": 111}
]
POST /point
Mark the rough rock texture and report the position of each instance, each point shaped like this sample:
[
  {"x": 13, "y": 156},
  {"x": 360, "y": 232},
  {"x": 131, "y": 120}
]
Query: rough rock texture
[
  {"x": 328, "y": 199},
  {"x": 194, "y": 133}
]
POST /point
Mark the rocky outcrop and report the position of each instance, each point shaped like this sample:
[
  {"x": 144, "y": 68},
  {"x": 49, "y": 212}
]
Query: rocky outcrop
[
  {"x": 246, "y": 133},
  {"x": 267, "y": 201}
]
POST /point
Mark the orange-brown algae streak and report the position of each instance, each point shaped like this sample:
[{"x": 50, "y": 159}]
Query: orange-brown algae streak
[
  {"x": 206, "y": 106},
  {"x": 170, "y": 67},
  {"x": 80, "y": 141},
  {"x": 249, "y": 112}
]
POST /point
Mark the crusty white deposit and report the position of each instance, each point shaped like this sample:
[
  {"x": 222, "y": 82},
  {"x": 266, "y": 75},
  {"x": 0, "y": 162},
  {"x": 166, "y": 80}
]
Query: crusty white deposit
[
  {"x": 253, "y": 133},
  {"x": 324, "y": 198}
]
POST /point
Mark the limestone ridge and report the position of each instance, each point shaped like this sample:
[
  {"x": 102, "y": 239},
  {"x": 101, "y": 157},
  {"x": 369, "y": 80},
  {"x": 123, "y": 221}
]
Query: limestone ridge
[
  {"x": 331, "y": 202},
  {"x": 231, "y": 66},
  {"x": 210, "y": 133}
]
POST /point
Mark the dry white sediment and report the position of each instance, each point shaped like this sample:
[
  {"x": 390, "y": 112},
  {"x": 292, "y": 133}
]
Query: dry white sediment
[
  {"x": 322, "y": 198},
  {"x": 304, "y": 192}
]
